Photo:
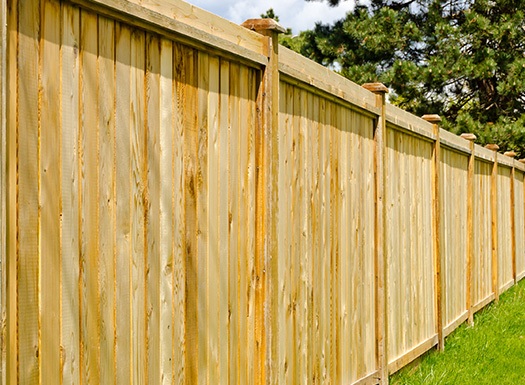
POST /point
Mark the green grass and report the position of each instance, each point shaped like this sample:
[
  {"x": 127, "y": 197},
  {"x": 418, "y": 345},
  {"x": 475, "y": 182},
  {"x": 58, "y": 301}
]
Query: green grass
[{"x": 491, "y": 352}]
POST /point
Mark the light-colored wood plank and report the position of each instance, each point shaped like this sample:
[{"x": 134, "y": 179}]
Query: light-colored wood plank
[
  {"x": 408, "y": 122},
  {"x": 49, "y": 193},
  {"x": 411, "y": 355},
  {"x": 89, "y": 237},
  {"x": 167, "y": 214},
  {"x": 27, "y": 271},
  {"x": 123, "y": 333},
  {"x": 145, "y": 15},
  {"x": 201, "y": 196},
  {"x": 189, "y": 86},
  {"x": 455, "y": 324},
  {"x": 207, "y": 22},
  {"x": 313, "y": 74},
  {"x": 223, "y": 219},
  {"x": 11, "y": 263},
  {"x": 155, "y": 183},
  {"x": 106, "y": 197},
  {"x": 138, "y": 207},
  {"x": 216, "y": 304},
  {"x": 234, "y": 348},
  {"x": 3, "y": 186},
  {"x": 484, "y": 302},
  {"x": 70, "y": 311},
  {"x": 179, "y": 278},
  {"x": 454, "y": 142}
]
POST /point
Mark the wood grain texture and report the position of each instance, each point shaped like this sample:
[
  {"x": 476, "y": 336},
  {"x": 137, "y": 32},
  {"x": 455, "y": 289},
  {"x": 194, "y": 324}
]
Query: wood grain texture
[
  {"x": 453, "y": 192},
  {"x": 175, "y": 214},
  {"x": 410, "y": 261},
  {"x": 153, "y": 263},
  {"x": 106, "y": 194},
  {"x": 89, "y": 198},
  {"x": 139, "y": 203},
  {"x": 11, "y": 247},
  {"x": 504, "y": 230},
  {"x": 28, "y": 214},
  {"x": 123, "y": 332},
  {"x": 49, "y": 197},
  {"x": 70, "y": 310},
  {"x": 482, "y": 255},
  {"x": 166, "y": 217},
  {"x": 519, "y": 215},
  {"x": 3, "y": 187}
]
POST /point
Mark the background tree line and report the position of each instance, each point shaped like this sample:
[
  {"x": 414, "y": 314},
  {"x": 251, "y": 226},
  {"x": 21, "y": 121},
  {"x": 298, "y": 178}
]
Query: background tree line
[{"x": 461, "y": 59}]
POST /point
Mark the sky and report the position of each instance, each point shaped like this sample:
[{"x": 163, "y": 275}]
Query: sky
[{"x": 299, "y": 15}]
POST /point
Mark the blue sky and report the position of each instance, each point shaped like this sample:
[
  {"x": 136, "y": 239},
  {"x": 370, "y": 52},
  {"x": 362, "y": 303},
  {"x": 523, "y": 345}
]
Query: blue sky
[{"x": 296, "y": 14}]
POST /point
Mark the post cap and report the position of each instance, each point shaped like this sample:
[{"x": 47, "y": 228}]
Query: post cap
[
  {"x": 259, "y": 25},
  {"x": 492, "y": 146},
  {"x": 510, "y": 154},
  {"x": 432, "y": 118},
  {"x": 378, "y": 88},
  {"x": 469, "y": 136}
]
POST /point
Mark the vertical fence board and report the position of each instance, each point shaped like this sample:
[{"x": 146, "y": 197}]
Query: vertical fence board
[
  {"x": 27, "y": 272},
  {"x": 214, "y": 277},
  {"x": 454, "y": 168},
  {"x": 49, "y": 196},
  {"x": 224, "y": 189},
  {"x": 168, "y": 233},
  {"x": 482, "y": 256},
  {"x": 123, "y": 333},
  {"x": 153, "y": 196},
  {"x": 138, "y": 207},
  {"x": 11, "y": 263},
  {"x": 519, "y": 215},
  {"x": 70, "y": 311},
  {"x": 179, "y": 307},
  {"x": 106, "y": 194},
  {"x": 504, "y": 233},
  {"x": 90, "y": 289}
]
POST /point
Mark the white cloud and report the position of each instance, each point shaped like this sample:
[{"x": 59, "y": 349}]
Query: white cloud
[{"x": 296, "y": 14}]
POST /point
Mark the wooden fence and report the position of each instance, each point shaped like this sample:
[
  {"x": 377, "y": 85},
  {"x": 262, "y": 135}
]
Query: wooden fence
[{"x": 183, "y": 201}]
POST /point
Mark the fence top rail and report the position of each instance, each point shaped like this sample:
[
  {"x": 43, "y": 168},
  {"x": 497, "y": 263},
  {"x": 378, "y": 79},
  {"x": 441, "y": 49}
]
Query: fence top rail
[
  {"x": 185, "y": 22},
  {"x": 409, "y": 122},
  {"x": 306, "y": 71},
  {"x": 454, "y": 142}
]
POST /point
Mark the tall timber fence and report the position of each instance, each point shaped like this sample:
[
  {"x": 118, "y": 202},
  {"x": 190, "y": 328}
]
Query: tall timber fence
[{"x": 186, "y": 202}]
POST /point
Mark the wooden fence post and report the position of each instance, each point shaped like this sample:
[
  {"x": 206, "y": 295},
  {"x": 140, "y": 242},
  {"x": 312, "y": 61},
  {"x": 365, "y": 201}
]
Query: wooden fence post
[
  {"x": 267, "y": 161},
  {"x": 436, "y": 209},
  {"x": 512, "y": 154},
  {"x": 494, "y": 221},
  {"x": 380, "y": 263},
  {"x": 470, "y": 223}
]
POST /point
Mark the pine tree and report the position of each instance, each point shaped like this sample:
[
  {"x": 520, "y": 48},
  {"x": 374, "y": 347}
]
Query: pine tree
[{"x": 462, "y": 59}]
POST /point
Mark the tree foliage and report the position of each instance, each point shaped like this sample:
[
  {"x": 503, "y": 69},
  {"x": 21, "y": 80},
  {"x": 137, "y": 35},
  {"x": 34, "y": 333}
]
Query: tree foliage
[{"x": 462, "y": 59}]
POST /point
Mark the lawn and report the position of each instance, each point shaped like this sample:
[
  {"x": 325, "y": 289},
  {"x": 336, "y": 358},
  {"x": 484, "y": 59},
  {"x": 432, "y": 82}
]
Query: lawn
[{"x": 491, "y": 352}]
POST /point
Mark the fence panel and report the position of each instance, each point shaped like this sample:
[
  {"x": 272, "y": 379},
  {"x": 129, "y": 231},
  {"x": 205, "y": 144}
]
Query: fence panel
[
  {"x": 326, "y": 241},
  {"x": 131, "y": 236},
  {"x": 166, "y": 223},
  {"x": 504, "y": 209},
  {"x": 519, "y": 223},
  {"x": 453, "y": 195},
  {"x": 482, "y": 257},
  {"x": 409, "y": 240}
]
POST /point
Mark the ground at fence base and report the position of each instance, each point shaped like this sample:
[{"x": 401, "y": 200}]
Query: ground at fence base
[{"x": 490, "y": 352}]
